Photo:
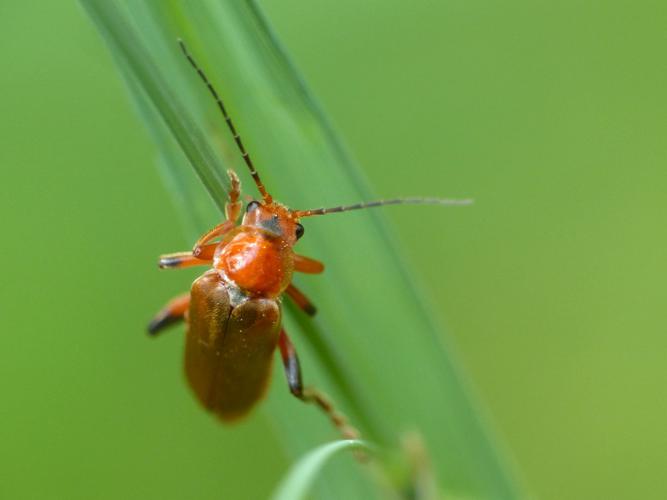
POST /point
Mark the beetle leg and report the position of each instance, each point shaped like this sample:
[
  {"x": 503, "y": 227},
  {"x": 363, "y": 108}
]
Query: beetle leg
[
  {"x": 232, "y": 212},
  {"x": 216, "y": 232},
  {"x": 301, "y": 300},
  {"x": 172, "y": 313},
  {"x": 233, "y": 206},
  {"x": 307, "y": 265},
  {"x": 309, "y": 394},
  {"x": 180, "y": 260},
  {"x": 186, "y": 259}
]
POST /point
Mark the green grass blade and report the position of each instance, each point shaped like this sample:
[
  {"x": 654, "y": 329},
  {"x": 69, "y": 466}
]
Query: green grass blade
[
  {"x": 373, "y": 347},
  {"x": 303, "y": 473},
  {"x": 131, "y": 54}
]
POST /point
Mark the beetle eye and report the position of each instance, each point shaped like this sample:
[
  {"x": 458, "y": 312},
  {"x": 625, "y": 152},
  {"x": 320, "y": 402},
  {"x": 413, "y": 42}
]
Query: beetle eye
[
  {"x": 252, "y": 206},
  {"x": 299, "y": 231}
]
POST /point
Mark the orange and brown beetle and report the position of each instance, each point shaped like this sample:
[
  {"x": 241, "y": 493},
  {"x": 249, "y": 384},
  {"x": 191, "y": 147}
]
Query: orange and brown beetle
[{"x": 233, "y": 310}]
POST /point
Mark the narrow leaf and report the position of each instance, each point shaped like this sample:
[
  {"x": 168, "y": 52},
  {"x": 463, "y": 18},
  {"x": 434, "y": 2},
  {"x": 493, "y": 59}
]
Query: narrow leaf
[
  {"x": 374, "y": 346},
  {"x": 303, "y": 473}
]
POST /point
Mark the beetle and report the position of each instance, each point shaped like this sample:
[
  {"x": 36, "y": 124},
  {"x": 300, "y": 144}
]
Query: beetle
[{"x": 233, "y": 310}]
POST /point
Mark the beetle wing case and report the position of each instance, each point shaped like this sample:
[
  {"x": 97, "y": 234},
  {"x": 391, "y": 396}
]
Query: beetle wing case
[{"x": 229, "y": 349}]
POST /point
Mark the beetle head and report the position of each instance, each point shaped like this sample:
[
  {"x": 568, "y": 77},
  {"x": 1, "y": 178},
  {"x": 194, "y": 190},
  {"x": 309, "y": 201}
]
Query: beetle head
[{"x": 275, "y": 219}]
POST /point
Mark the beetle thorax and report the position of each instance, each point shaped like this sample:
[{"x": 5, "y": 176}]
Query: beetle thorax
[{"x": 257, "y": 262}]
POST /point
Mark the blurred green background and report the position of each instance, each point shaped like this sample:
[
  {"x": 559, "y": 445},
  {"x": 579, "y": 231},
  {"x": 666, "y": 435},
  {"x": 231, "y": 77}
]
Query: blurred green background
[{"x": 551, "y": 115}]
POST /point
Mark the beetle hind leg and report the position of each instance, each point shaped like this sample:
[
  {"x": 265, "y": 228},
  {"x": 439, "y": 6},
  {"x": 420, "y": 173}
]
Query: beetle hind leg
[
  {"x": 310, "y": 394},
  {"x": 174, "y": 312}
]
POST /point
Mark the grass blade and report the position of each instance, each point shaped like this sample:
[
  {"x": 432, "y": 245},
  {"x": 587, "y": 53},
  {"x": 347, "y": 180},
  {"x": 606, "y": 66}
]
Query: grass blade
[
  {"x": 374, "y": 346},
  {"x": 304, "y": 472}
]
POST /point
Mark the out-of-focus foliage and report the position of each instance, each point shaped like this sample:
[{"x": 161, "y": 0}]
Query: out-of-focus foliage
[{"x": 550, "y": 114}]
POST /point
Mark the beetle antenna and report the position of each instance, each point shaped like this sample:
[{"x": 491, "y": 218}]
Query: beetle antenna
[
  {"x": 237, "y": 138},
  {"x": 380, "y": 203}
]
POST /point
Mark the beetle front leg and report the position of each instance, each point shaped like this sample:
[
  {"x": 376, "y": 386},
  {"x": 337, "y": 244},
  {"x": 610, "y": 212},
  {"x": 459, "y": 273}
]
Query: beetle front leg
[
  {"x": 307, "y": 265},
  {"x": 216, "y": 232},
  {"x": 172, "y": 313},
  {"x": 232, "y": 212},
  {"x": 233, "y": 206},
  {"x": 309, "y": 394}
]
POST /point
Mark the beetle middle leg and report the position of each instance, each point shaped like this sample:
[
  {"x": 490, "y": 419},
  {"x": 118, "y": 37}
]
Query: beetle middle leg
[
  {"x": 180, "y": 260},
  {"x": 301, "y": 300},
  {"x": 309, "y": 394},
  {"x": 172, "y": 313}
]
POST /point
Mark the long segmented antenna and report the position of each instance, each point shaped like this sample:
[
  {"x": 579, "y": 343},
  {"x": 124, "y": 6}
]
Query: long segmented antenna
[
  {"x": 237, "y": 138},
  {"x": 380, "y": 203}
]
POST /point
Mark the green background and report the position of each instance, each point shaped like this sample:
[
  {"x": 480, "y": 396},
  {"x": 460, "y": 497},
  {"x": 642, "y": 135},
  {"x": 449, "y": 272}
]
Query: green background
[{"x": 551, "y": 115}]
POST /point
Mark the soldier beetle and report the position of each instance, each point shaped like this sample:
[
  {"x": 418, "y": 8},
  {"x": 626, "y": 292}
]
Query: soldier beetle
[{"x": 233, "y": 311}]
